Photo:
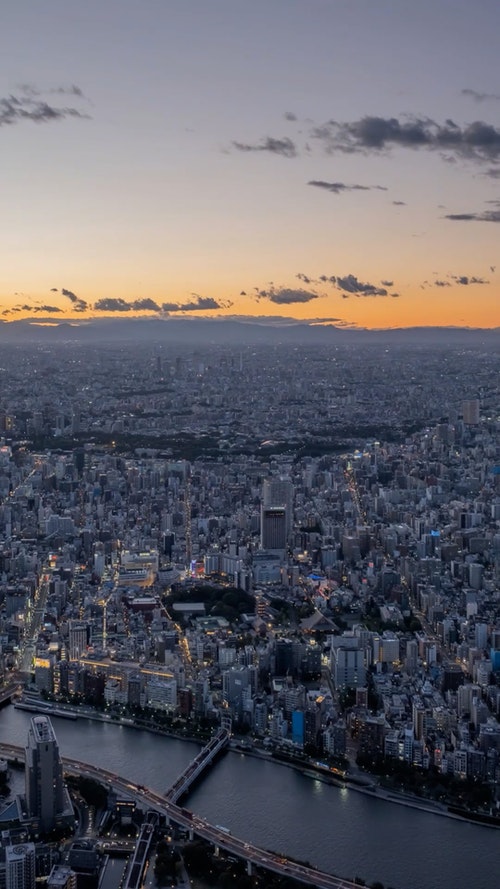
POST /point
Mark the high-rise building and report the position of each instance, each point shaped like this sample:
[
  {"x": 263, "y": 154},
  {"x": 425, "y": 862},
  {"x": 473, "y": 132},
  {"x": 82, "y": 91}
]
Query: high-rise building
[
  {"x": 470, "y": 412},
  {"x": 235, "y": 683},
  {"x": 20, "y": 866},
  {"x": 78, "y": 639},
  {"x": 348, "y": 668},
  {"x": 46, "y": 795},
  {"x": 273, "y": 531},
  {"x": 279, "y": 492}
]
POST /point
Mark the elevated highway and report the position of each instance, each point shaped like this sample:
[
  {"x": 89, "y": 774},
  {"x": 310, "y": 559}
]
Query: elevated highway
[{"x": 218, "y": 837}]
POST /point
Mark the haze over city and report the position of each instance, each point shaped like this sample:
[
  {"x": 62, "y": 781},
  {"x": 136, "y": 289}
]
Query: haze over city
[{"x": 324, "y": 161}]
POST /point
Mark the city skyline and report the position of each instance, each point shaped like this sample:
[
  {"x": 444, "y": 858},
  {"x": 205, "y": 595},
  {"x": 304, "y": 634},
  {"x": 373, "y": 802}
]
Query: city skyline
[{"x": 321, "y": 161}]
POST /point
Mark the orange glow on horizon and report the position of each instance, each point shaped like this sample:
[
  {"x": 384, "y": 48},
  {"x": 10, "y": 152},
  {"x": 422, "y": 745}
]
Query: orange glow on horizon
[{"x": 458, "y": 306}]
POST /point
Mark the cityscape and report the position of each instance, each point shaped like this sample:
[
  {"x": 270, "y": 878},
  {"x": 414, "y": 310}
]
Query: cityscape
[
  {"x": 324, "y": 599},
  {"x": 249, "y": 444}
]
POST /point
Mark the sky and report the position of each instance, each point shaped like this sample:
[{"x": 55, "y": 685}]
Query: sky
[{"x": 336, "y": 161}]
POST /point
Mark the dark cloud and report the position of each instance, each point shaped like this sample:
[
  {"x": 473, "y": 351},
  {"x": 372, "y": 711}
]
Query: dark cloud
[
  {"x": 198, "y": 304},
  {"x": 287, "y": 296},
  {"x": 79, "y": 305},
  {"x": 29, "y": 105},
  {"x": 340, "y": 187},
  {"x": 54, "y": 290},
  {"x": 481, "y": 97},
  {"x": 69, "y": 293},
  {"x": 117, "y": 304},
  {"x": 492, "y": 173},
  {"x": 112, "y": 304},
  {"x": 477, "y": 141},
  {"x": 485, "y": 216},
  {"x": 399, "y": 203},
  {"x": 284, "y": 147},
  {"x": 465, "y": 280},
  {"x": 461, "y": 280},
  {"x": 243, "y": 293},
  {"x": 350, "y": 285},
  {"x": 203, "y": 304},
  {"x": 30, "y": 90},
  {"x": 289, "y": 115},
  {"x": 145, "y": 305},
  {"x": 49, "y": 310}
]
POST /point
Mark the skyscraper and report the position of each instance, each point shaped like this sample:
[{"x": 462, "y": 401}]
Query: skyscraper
[
  {"x": 46, "y": 795},
  {"x": 273, "y": 533},
  {"x": 279, "y": 492}
]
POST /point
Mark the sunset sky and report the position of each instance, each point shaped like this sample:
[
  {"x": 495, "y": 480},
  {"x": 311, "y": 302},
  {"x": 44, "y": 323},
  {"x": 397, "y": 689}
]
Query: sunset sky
[{"x": 336, "y": 160}]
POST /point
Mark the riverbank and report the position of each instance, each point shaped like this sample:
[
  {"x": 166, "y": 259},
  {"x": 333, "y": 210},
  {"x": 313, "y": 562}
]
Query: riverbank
[
  {"x": 373, "y": 789},
  {"x": 358, "y": 781},
  {"x": 66, "y": 711},
  {"x": 281, "y": 809}
]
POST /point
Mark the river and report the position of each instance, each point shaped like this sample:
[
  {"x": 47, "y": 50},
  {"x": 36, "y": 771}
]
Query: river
[{"x": 338, "y": 830}]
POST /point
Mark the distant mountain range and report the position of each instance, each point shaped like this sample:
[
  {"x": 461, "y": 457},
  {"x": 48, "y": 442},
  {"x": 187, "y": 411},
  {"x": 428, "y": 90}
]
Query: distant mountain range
[{"x": 223, "y": 331}]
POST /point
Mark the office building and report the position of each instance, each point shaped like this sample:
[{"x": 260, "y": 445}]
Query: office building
[
  {"x": 273, "y": 528},
  {"x": 348, "y": 668},
  {"x": 78, "y": 639},
  {"x": 279, "y": 492},
  {"x": 47, "y": 803}
]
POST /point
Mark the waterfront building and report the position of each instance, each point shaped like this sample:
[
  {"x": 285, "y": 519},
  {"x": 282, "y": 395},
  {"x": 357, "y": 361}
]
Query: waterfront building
[{"x": 47, "y": 803}]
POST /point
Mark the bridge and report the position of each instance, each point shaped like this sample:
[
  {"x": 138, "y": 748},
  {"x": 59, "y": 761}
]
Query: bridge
[
  {"x": 198, "y": 765},
  {"x": 253, "y": 855}
]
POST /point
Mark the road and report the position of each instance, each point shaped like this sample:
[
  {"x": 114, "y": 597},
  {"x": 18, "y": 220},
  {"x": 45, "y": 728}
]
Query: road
[
  {"x": 34, "y": 619},
  {"x": 213, "y": 834}
]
